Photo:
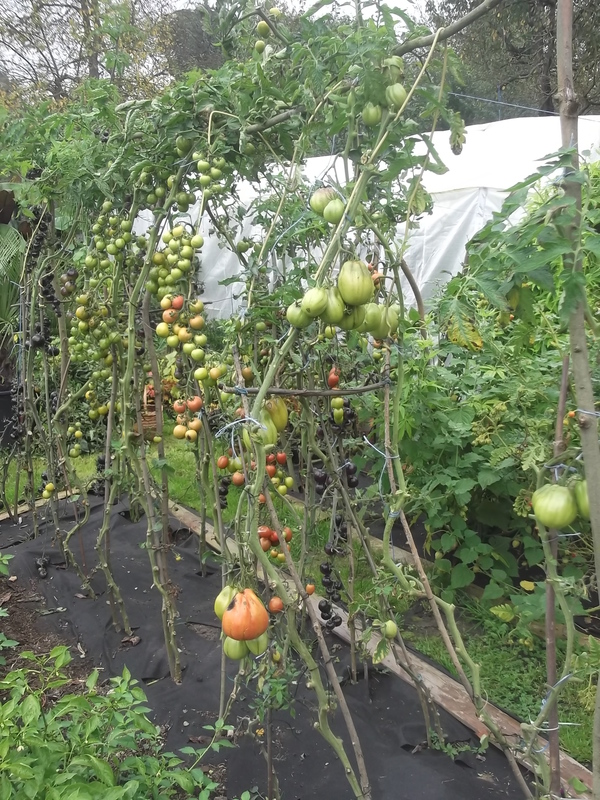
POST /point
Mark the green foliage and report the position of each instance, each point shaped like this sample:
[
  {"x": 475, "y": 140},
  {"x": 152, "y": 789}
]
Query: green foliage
[{"x": 98, "y": 744}]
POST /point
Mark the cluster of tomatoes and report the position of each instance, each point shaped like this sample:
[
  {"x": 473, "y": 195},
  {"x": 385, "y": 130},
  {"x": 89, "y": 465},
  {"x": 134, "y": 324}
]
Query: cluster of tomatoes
[
  {"x": 269, "y": 541},
  {"x": 244, "y": 620},
  {"x": 188, "y": 423}
]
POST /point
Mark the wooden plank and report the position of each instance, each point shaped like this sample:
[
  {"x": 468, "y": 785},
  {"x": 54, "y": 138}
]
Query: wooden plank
[
  {"x": 23, "y": 509},
  {"x": 446, "y": 692}
]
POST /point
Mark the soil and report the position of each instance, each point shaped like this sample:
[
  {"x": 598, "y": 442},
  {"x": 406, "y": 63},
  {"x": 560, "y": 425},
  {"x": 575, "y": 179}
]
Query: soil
[{"x": 385, "y": 710}]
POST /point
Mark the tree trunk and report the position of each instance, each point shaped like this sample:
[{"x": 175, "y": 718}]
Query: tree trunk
[{"x": 89, "y": 20}]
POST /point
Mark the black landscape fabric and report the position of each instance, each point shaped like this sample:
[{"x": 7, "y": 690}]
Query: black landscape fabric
[{"x": 385, "y": 709}]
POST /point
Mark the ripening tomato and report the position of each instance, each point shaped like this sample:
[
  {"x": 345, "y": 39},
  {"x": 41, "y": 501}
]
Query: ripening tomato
[
  {"x": 271, "y": 470},
  {"x": 287, "y": 534},
  {"x": 195, "y": 403},
  {"x": 177, "y": 302},
  {"x": 265, "y": 543},
  {"x": 275, "y": 605},
  {"x": 222, "y": 462},
  {"x": 238, "y": 479},
  {"x": 169, "y": 315},
  {"x": 179, "y": 406}
]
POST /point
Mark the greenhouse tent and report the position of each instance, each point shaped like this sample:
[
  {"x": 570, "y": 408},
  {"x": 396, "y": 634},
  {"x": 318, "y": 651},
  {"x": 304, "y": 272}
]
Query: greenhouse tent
[{"x": 495, "y": 156}]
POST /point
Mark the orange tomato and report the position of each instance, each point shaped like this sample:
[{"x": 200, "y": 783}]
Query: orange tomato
[
  {"x": 275, "y": 605},
  {"x": 238, "y": 479},
  {"x": 169, "y": 315},
  {"x": 310, "y": 588},
  {"x": 177, "y": 302},
  {"x": 262, "y": 498},
  {"x": 222, "y": 462}
]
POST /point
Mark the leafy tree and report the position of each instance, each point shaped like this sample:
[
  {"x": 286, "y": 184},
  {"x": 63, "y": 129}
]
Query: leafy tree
[
  {"x": 510, "y": 55},
  {"x": 50, "y": 47}
]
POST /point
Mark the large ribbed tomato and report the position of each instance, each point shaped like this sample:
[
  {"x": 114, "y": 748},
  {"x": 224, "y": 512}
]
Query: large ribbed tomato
[
  {"x": 334, "y": 211},
  {"x": 371, "y": 115},
  {"x": 353, "y": 320},
  {"x": 321, "y": 198},
  {"x": 297, "y": 317},
  {"x": 395, "y": 96},
  {"x": 355, "y": 283},
  {"x": 246, "y": 617},
  {"x": 582, "y": 499},
  {"x": 554, "y": 506},
  {"x": 235, "y": 650},
  {"x": 335, "y": 308},
  {"x": 258, "y": 646},
  {"x": 314, "y": 301},
  {"x": 277, "y": 410}
]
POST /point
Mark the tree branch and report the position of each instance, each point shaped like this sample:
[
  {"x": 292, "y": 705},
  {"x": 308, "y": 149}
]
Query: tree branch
[{"x": 426, "y": 41}]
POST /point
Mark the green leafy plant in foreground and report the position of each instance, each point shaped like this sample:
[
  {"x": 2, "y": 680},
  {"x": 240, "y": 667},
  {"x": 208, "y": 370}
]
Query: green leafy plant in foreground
[{"x": 98, "y": 744}]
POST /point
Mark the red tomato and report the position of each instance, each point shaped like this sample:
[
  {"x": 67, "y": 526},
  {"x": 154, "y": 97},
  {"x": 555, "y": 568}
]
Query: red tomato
[
  {"x": 179, "y": 406},
  {"x": 333, "y": 380},
  {"x": 195, "y": 403},
  {"x": 264, "y": 530},
  {"x": 177, "y": 302},
  {"x": 274, "y": 537},
  {"x": 271, "y": 458},
  {"x": 265, "y": 544},
  {"x": 287, "y": 534},
  {"x": 271, "y": 469},
  {"x": 222, "y": 462},
  {"x": 281, "y": 458}
]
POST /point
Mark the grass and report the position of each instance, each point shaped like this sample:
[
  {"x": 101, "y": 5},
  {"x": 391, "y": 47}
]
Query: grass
[{"x": 512, "y": 676}]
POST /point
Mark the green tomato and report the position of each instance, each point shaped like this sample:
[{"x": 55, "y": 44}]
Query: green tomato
[
  {"x": 371, "y": 115},
  {"x": 390, "y": 629},
  {"x": 582, "y": 498},
  {"x": 334, "y": 211},
  {"x": 258, "y": 646},
  {"x": 554, "y": 506},
  {"x": 223, "y": 599},
  {"x": 234, "y": 649},
  {"x": 395, "y": 96}
]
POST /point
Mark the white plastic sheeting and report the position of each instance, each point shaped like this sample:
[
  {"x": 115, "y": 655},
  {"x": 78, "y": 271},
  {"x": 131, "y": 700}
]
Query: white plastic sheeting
[{"x": 495, "y": 156}]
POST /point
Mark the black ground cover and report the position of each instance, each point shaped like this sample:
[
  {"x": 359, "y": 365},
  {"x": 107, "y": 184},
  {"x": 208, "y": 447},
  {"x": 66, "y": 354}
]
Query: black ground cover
[{"x": 385, "y": 709}]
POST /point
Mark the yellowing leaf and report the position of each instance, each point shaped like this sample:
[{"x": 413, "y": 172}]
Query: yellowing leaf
[
  {"x": 529, "y": 586},
  {"x": 505, "y": 612}
]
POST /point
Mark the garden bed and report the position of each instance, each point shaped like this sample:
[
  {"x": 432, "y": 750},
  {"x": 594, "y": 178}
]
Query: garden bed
[{"x": 386, "y": 710}]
